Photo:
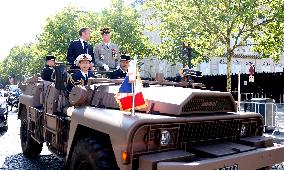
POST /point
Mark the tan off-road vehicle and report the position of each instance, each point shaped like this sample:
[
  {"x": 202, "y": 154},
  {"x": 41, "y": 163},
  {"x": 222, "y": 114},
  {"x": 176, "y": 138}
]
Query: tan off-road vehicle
[{"x": 181, "y": 129}]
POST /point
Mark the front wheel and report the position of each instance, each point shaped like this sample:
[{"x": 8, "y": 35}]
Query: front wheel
[
  {"x": 89, "y": 154},
  {"x": 30, "y": 147}
]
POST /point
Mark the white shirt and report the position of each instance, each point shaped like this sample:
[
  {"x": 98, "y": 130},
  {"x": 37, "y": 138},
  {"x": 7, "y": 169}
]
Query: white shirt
[
  {"x": 107, "y": 44},
  {"x": 82, "y": 42}
]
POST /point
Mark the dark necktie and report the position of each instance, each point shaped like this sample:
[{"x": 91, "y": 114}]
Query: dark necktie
[
  {"x": 85, "y": 44},
  {"x": 86, "y": 77}
]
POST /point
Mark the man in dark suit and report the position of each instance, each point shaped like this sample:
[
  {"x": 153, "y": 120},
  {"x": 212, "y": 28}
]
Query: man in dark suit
[
  {"x": 48, "y": 70},
  {"x": 80, "y": 46},
  {"x": 106, "y": 53},
  {"x": 123, "y": 68},
  {"x": 81, "y": 77}
]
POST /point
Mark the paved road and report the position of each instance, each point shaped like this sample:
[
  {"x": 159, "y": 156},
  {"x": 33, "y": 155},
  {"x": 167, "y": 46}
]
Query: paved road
[{"x": 11, "y": 157}]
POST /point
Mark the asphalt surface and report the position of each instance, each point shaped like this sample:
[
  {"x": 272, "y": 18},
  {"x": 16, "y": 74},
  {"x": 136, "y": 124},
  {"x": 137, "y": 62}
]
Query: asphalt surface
[{"x": 11, "y": 157}]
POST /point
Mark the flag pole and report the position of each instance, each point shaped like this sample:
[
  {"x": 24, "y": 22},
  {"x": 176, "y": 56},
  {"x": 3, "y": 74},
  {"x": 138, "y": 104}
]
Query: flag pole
[
  {"x": 133, "y": 86},
  {"x": 133, "y": 99}
]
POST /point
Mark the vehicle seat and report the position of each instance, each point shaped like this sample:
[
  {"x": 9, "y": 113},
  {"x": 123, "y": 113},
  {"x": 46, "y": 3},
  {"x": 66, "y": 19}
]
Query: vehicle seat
[
  {"x": 60, "y": 77},
  {"x": 43, "y": 93}
]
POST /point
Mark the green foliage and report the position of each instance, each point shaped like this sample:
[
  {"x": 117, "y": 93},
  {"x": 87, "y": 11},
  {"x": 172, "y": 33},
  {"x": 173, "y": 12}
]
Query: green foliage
[
  {"x": 124, "y": 21},
  {"x": 209, "y": 24},
  {"x": 126, "y": 27},
  {"x": 272, "y": 35},
  {"x": 16, "y": 63},
  {"x": 218, "y": 27},
  {"x": 60, "y": 29}
]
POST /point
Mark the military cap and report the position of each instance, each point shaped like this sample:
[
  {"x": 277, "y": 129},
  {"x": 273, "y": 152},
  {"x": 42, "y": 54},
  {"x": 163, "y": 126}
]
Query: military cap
[
  {"x": 124, "y": 57},
  {"x": 50, "y": 57},
  {"x": 82, "y": 57},
  {"x": 105, "y": 31}
]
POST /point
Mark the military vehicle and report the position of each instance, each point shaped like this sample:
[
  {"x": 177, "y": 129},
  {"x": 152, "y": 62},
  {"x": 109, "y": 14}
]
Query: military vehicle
[{"x": 181, "y": 128}]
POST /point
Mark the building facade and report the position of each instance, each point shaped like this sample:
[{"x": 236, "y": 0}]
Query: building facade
[{"x": 243, "y": 57}]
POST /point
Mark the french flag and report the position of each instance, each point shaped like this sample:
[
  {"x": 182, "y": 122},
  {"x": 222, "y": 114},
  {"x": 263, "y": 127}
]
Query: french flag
[{"x": 124, "y": 97}]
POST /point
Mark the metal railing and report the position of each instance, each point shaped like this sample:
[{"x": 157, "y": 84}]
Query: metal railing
[{"x": 268, "y": 110}]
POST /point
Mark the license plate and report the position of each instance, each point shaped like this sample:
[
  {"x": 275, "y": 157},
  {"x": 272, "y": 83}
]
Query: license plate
[{"x": 232, "y": 167}]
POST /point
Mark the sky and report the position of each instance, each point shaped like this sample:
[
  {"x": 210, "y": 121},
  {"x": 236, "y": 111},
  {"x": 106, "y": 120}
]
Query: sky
[{"x": 22, "y": 20}]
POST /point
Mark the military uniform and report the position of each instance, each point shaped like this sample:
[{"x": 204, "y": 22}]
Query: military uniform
[
  {"x": 117, "y": 74},
  {"x": 47, "y": 71},
  {"x": 106, "y": 53},
  {"x": 79, "y": 77},
  {"x": 120, "y": 73}
]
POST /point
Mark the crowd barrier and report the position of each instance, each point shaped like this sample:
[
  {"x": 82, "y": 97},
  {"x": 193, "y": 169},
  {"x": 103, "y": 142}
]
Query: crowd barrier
[{"x": 268, "y": 110}]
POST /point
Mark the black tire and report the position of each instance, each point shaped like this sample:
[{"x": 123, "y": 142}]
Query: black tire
[
  {"x": 4, "y": 128},
  {"x": 30, "y": 147},
  {"x": 89, "y": 154}
]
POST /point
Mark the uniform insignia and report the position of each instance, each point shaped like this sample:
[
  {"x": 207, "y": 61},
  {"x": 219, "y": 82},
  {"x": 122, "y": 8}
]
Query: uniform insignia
[{"x": 74, "y": 81}]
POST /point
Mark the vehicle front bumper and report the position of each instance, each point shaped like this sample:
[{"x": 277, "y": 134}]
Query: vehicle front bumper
[{"x": 251, "y": 160}]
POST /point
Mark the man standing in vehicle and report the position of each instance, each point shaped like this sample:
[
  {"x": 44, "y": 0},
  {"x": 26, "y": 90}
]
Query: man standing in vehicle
[
  {"x": 80, "y": 46},
  {"x": 106, "y": 53},
  {"x": 48, "y": 70}
]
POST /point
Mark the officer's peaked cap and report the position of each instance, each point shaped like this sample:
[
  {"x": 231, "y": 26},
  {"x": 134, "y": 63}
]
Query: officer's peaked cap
[
  {"x": 50, "y": 57},
  {"x": 105, "y": 31},
  {"x": 83, "y": 57},
  {"x": 124, "y": 57}
]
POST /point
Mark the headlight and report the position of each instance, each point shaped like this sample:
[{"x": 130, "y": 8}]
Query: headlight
[
  {"x": 165, "y": 138},
  {"x": 160, "y": 137}
]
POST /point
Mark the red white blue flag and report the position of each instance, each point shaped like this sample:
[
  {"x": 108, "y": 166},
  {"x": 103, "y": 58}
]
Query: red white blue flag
[{"x": 124, "y": 97}]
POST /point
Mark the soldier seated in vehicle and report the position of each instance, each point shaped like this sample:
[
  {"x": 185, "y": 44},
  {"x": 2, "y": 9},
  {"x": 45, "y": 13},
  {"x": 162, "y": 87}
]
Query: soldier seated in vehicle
[
  {"x": 122, "y": 69},
  {"x": 47, "y": 72},
  {"x": 80, "y": 77}
]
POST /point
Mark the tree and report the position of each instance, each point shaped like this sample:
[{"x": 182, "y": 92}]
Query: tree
[
  {"x": 37, "y": 60},
  {"x": 124, "y": 21},
  {"x": 271, "y": 36},
  {"x": 219, "y": 27},
  {"x": 62, "y": 28},
  {"x": 126, "y": 26},
  {"x": 16, "y": 63}
]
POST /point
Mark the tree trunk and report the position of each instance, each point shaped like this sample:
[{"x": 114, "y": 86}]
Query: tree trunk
[{"x": 229, "y": 69}]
